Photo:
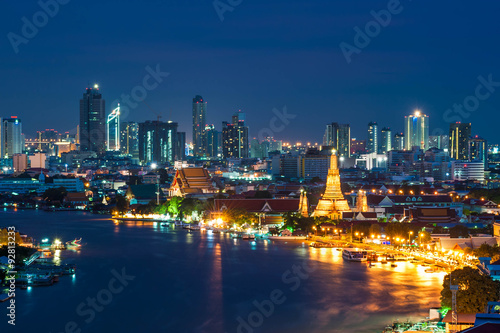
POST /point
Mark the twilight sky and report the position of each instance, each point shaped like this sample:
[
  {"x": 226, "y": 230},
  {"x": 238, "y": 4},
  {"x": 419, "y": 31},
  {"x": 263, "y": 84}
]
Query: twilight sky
[{"x": 263, "y": 55}]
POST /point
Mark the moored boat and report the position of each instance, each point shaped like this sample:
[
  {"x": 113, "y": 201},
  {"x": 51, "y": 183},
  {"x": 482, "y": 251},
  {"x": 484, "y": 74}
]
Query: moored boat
[{"x": 353, "y": 254}]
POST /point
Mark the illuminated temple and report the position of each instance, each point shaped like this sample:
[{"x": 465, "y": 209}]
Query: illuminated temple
[{"x": 333, "y": 203}]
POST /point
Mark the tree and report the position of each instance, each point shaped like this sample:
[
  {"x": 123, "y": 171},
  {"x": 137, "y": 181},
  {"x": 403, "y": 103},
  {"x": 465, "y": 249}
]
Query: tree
[
  {"x": 121, "y": 204},
  {"x": 474, "y": 290},
  {"x": 174, "y": 206},
  {"x": 486, "y": 250},
  {"x": 55, "y": 194},
  {"x": 424, "y": 237},
  {"x": 375, "y": 229},
  {"x": 459, "y": 231}
]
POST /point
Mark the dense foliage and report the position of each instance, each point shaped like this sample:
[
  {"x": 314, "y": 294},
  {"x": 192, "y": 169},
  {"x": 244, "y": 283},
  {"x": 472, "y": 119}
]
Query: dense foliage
[{"x": 474, "y": 290}]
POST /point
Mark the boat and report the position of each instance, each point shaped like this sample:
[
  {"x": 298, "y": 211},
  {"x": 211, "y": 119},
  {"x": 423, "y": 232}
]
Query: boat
[
  {"x": 74, "y": 244},
  {"x": 248, "y": 236},
  {"x": 352, "y": 254},
  {"x": 163, "y": 224},
  {"x": 287, "y": 237},
  {"x": 394, "y": 265},
  {"x": 4, "y": 297}
]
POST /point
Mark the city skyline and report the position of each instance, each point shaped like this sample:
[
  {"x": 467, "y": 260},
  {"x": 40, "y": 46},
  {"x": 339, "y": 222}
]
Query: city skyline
[{"x": 255, "y": 70}]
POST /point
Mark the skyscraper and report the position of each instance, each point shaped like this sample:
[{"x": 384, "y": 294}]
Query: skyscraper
[
  {"x": 339, "y": 136},
  {"x": 199, "y": 123},
  {"x": 157, "y": 141},
  {"x": 11, "y": 141},
  {"x": 92, "y": 121},
  {"x": 372, "y": 142},
  {"x": 399, "y": 141},
  {"x": 211, "y": 141},
  {"x": 478, "y": 150},
  {"x": 181, "y": 146},
  {"x": 459, "y": 140},
  {"x": 113, "y": 130},
  {"x": 129, "y": 139},
  {"x": 386, "y": 143},
  {"x": 417, "y": 131},
  {"x": 235, "y": 137}
]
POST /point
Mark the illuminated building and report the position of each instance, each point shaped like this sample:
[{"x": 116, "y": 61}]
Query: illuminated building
[
  {"x": 478, "y": 150},
  {"x": 459, "y": 140},
  {"x": 314, "y": 164},
  {"x": 129, "y": 139},
  {"x": 417, "y": 131},
  {"x": 20, "y": 162},
  {"x": 361, "y": 202},
  {"x": 92, "y": 134},
  {"x": 304, "y": 204},
  {"x": 38, "y": 160},
  {"x": 11, "y": 141},
  {"x": 372, "y": 142},
  {"x": 399, "y": 141},
  {"x": 467, "y": 170},
  {"x": 358, "y": 146},
  {"x": 333, "y": 203},
  {"x": 211, "y": 143},
  {"x": 199, "y": 123},
  {"x": 235, "y": 137},
  {"x": 439, "y": 141},
  {"x": 386, "y": 140},
  {"x": 190, "y": 182},
  {"x": 113, "y": 130},
  {"x": 338, "y": 136},
  {"x": 157, "y": 141},
  {"x": 259, "y": 149}
]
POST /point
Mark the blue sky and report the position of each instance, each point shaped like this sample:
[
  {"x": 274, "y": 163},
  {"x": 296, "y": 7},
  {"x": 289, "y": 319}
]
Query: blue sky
[{"x": 263, "y": 55}]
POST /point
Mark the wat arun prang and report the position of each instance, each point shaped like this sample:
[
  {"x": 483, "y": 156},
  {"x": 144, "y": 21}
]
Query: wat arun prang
[{"x": 333, "y": 203}]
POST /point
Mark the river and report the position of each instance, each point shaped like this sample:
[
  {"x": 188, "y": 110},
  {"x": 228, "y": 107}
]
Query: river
[{"x": 141, "y": 277}]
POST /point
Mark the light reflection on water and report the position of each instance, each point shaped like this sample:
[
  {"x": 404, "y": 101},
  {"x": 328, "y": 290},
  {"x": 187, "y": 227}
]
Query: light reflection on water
[{"x": 201, "y": 281}]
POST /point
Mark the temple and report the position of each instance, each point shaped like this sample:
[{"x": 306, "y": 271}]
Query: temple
[{"x": 333, "y": 203}]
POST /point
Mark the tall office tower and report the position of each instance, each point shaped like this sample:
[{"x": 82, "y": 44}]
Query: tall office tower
[
  {"x": 386, "y": 142},
  {"x": 129, "y": 138},
  {"x": 92, "y": 121},
  {"x": 399, "y": 141},
  {"x": 259, "y": 149},
  {"x": 274, "y": 145},
  {"x": 211, "y": 141},
  {"x": 199, "y": 123},
  {"x": 235, "y": 137},
  {"x": 417, "y": 131},
  {"x": 372, "y": 142},
  {"x": 157, "y": 141},
  {"x": 478, "y": 150},
  {"x": 459, "y": 140},
  {"x": 439, "y": 141},
  {"x": 12, "y": 138},
  {"x": 113, "y": 130},
  {"x": 180, "y": 153},
  {"x": 339, "y": 136}
]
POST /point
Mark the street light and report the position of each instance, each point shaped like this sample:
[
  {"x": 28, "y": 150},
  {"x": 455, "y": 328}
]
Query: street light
[
  {"x": 315, "y": 231},
  {"x": 409, "y": 237}
]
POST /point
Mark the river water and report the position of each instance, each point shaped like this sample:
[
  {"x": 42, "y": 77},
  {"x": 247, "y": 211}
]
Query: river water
[{"x": 141, "y": 277}]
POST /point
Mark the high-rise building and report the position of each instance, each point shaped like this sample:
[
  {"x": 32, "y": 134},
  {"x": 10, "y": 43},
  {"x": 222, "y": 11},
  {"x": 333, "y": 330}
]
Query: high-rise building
[
  {"x": 417, "y": 131},
  {"x": 439, "y": 141},
  {"x": 478, "y": 150},
  {"x": 11, "y": 141},
  {"x": 181, "y": 146},
  {"x": 199, "y": 123},
  {"x": 339, "y": 136},
  {"x": 20, "y": 162},
  {"x": 358, "y": 146},
  {"x": 92, "y": 134},
  {"x": 399, "y": 141},
  {"x": 157, "y": 141},
  {"x": 460, "y": 134},
  {"x": 235, "y": 137},
  {"x": 113, "y": 130},
  {"x": 259, "y": 149},
  {"x": 372, "y": 142},
  {"x": 211, "y": 141},
  {"x": 129, "y": 138},
  {"x": 386, "y": 142}
]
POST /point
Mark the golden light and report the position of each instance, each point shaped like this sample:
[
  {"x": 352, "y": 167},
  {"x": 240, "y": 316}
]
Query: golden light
[
  {"x": 357, "y": 233},
  {"x": 417, "y": 113}
]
